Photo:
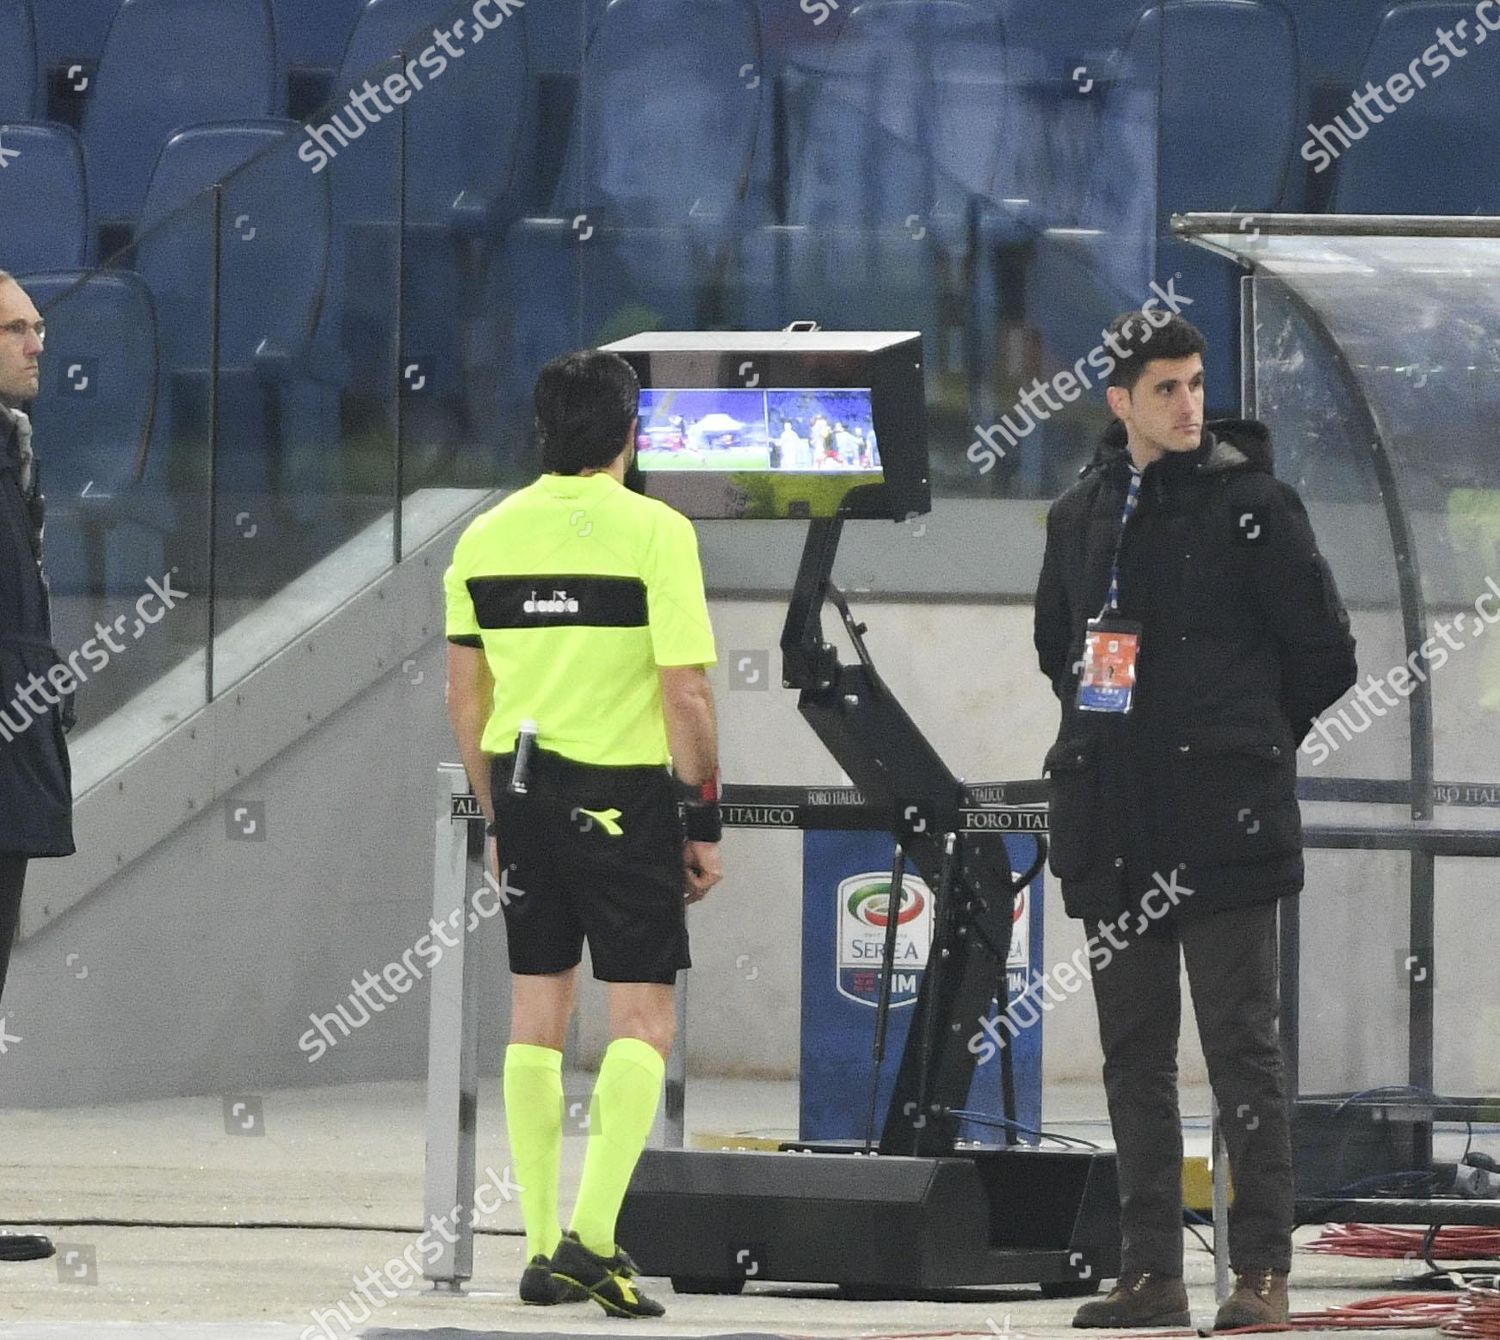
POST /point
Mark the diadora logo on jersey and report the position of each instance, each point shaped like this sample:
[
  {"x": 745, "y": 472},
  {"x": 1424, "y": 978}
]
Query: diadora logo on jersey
[{"x": 559, "y": 603}]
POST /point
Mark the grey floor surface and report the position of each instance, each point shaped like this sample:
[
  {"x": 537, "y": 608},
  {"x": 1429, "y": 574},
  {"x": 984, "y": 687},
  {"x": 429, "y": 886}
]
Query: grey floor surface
[{"x": 336, "y": 1175}]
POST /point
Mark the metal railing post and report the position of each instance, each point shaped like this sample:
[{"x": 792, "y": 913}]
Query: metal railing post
[{"x": 452, "y": 1045}]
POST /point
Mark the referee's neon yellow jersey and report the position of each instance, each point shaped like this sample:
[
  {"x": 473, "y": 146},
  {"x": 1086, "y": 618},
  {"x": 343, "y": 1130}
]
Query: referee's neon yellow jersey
[{"x": 578, "y": 590}]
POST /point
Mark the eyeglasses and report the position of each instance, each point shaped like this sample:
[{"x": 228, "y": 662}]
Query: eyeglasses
[{"x": 21, "y": 329}]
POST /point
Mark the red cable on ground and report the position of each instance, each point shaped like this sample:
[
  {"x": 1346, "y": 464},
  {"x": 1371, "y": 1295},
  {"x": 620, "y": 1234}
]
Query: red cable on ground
[
  {"x": 1459, "y": 1242},
  {"x": 1393, "y": 1311},
  {"x": 1477, "y": 1314}
]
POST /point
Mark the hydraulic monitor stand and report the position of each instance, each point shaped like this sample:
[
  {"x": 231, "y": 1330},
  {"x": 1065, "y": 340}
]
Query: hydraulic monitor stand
[{"x": 922, "y": 1215}]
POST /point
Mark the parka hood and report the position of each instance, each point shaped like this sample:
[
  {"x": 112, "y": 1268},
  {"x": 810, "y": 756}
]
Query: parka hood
[{"x": 1228, "y": 444}]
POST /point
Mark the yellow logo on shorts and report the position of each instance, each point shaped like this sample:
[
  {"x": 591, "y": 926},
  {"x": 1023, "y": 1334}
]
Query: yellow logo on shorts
[{"x": 608, "y": 820}]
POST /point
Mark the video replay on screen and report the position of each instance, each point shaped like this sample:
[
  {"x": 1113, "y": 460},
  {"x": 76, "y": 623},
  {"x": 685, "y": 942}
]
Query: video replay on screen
[
  {"x": 794, "y": 431},
  {"x": 780, "y": 425}
]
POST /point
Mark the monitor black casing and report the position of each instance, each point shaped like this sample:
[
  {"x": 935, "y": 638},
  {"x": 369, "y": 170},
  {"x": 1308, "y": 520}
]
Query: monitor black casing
[{"x": 888, "y": 362}]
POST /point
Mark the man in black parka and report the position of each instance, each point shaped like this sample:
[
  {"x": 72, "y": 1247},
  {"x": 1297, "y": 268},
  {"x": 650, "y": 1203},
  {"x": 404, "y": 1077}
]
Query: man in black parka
[
  {"x": 36, "y": 792},
  {"x": 1243, "y": 641}
]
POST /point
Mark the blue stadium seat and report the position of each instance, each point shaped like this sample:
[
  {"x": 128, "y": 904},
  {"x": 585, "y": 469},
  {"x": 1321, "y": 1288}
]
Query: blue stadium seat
[
  {"x": 1437, "y": 152},
  {"x": 97, "y": 403},
  {"x": 911, "y": 116},
  {"x": 1333, "y": 39},
  {"x": 648, "y": 202},
  {"x": 1054, "y": 40},
  {"x": 899, "y": 142},
  {"x": 1219, "y": 156},
  {"x": 69, "y": 36},
  {"x": 1169, "y": 141},
  {"x": 1222, "y": 154},
  {"x": 463, "y": 135},
  {"x": 168, "y": 64},
  {"x": 698, "y": 141},
  {"x": 18, "y": 61},
  {"x": 273, "y": 259},
  {"x": 69, "y": 31},
  {"x": 274, "y": 253},
  {"x": 314, "y": 34},
  {"x": 44, "y": 219},
  {"x": 463, "y": 130}
]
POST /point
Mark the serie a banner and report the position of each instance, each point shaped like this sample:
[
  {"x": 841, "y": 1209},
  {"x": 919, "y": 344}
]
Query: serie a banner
[{"x": 846, "y": 905}]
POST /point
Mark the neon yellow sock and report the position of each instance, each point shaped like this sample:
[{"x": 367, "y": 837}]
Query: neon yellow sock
[
  {"x": 623, "y": 1110},
  {"x": 533, "y": 1119}
]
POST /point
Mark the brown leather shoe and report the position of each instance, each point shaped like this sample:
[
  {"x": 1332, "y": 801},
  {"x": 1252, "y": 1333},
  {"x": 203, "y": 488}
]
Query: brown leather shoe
[
  {"x": 1259, "y": 1299},
  {"x": 1139, "y": 1298}
]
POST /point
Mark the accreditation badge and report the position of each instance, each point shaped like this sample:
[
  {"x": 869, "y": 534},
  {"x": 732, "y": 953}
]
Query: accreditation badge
[{"x": 1107, "y": 680}]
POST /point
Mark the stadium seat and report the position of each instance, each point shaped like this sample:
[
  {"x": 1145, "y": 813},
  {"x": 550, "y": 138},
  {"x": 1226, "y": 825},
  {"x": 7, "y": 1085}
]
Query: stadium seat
[
  {"x": 314, "y": 35},
  {"x": 1438, "y": 152},
  {"x": 648, "y": 202},
  {"x": 18, "y": 61},
  {"x": 1169, "y": 141},
  {"x": 899, "y": 140},
  {"x": 71, "y": 31},
  {"x": 911, "y": 115},
  {"x": 167, "y": 64},
  {"x": 1332, "y": 40},
  {"x": 272, "y": 263},
  {"x": 69, "y": 36},
  {"x": 44, "y": 222},
  {"x": 1221, "y": 156},
  {"x": 463, "y": 132},
  {"x": 698, "y": 141},
  {"x": 463, "y": 136},
  {"x": 97, "y": 402},
  {"x": 1049, "y": 39}
]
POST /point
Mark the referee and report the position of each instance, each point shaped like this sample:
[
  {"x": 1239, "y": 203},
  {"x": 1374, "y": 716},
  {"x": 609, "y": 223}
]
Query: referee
[{"x": 578, "y": 636}]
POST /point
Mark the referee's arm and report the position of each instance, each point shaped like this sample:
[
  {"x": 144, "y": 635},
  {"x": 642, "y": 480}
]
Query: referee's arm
[{"x": 692, "y": 734}]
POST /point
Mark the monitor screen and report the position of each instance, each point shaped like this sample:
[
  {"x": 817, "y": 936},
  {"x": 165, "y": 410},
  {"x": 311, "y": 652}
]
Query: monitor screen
[
  {"x": 798, "y": 430},
  {"x": 772, "y": 425}
]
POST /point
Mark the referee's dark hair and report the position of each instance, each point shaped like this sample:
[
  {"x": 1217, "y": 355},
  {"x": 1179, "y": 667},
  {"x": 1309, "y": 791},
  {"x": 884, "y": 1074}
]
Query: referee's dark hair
[
  {"x": 1175, "y": 338},
  {"x": 584, "y": 404}
]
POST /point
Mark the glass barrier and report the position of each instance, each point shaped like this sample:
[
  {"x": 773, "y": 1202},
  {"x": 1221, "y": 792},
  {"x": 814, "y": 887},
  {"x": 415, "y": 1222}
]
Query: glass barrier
[
  {"x": 307, "y": 458},
  {"x": 122, "y": 431},
  {"x": 1374, "y": 365}
]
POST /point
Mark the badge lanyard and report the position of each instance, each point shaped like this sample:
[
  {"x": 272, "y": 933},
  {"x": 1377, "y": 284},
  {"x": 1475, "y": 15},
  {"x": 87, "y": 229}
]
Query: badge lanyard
[{"x": 1111, "y": 644}]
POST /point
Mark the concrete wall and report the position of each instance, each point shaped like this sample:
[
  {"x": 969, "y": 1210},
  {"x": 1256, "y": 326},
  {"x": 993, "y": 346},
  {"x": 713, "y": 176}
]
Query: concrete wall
[{"x": 196, "y": 969}]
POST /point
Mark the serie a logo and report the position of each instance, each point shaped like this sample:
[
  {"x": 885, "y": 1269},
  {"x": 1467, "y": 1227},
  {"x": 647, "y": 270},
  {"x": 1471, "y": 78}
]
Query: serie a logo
[{"x": 560, "y": 603}]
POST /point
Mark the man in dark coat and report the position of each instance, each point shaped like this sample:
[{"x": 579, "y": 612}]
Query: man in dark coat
[
  {"x": 36, "y": 792},
  {"x": 1174, "y": 822}
]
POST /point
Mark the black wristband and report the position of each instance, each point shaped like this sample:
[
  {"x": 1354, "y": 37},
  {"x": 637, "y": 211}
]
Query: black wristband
[{"x": 702, "y": 823}]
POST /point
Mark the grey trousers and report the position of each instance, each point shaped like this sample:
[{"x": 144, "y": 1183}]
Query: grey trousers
[
  {"x": 1231, "y": 966},
  {"x": 12, "y": 881}
]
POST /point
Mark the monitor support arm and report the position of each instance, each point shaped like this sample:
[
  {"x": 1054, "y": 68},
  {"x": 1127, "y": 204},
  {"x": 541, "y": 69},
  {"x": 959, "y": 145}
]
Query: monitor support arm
[{"x": 896, "y": 769}]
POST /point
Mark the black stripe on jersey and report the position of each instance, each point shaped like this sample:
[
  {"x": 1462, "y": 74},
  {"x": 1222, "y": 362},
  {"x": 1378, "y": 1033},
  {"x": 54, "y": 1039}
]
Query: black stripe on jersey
[{"x": 553, "y": 601}]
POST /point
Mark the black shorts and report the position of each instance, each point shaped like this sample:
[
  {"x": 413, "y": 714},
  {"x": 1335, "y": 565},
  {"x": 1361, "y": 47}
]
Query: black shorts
[{"x": 592, "y": 853}]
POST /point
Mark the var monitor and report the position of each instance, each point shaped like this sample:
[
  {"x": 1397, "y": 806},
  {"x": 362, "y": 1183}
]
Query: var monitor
[{"x": 781, "y": 424}]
